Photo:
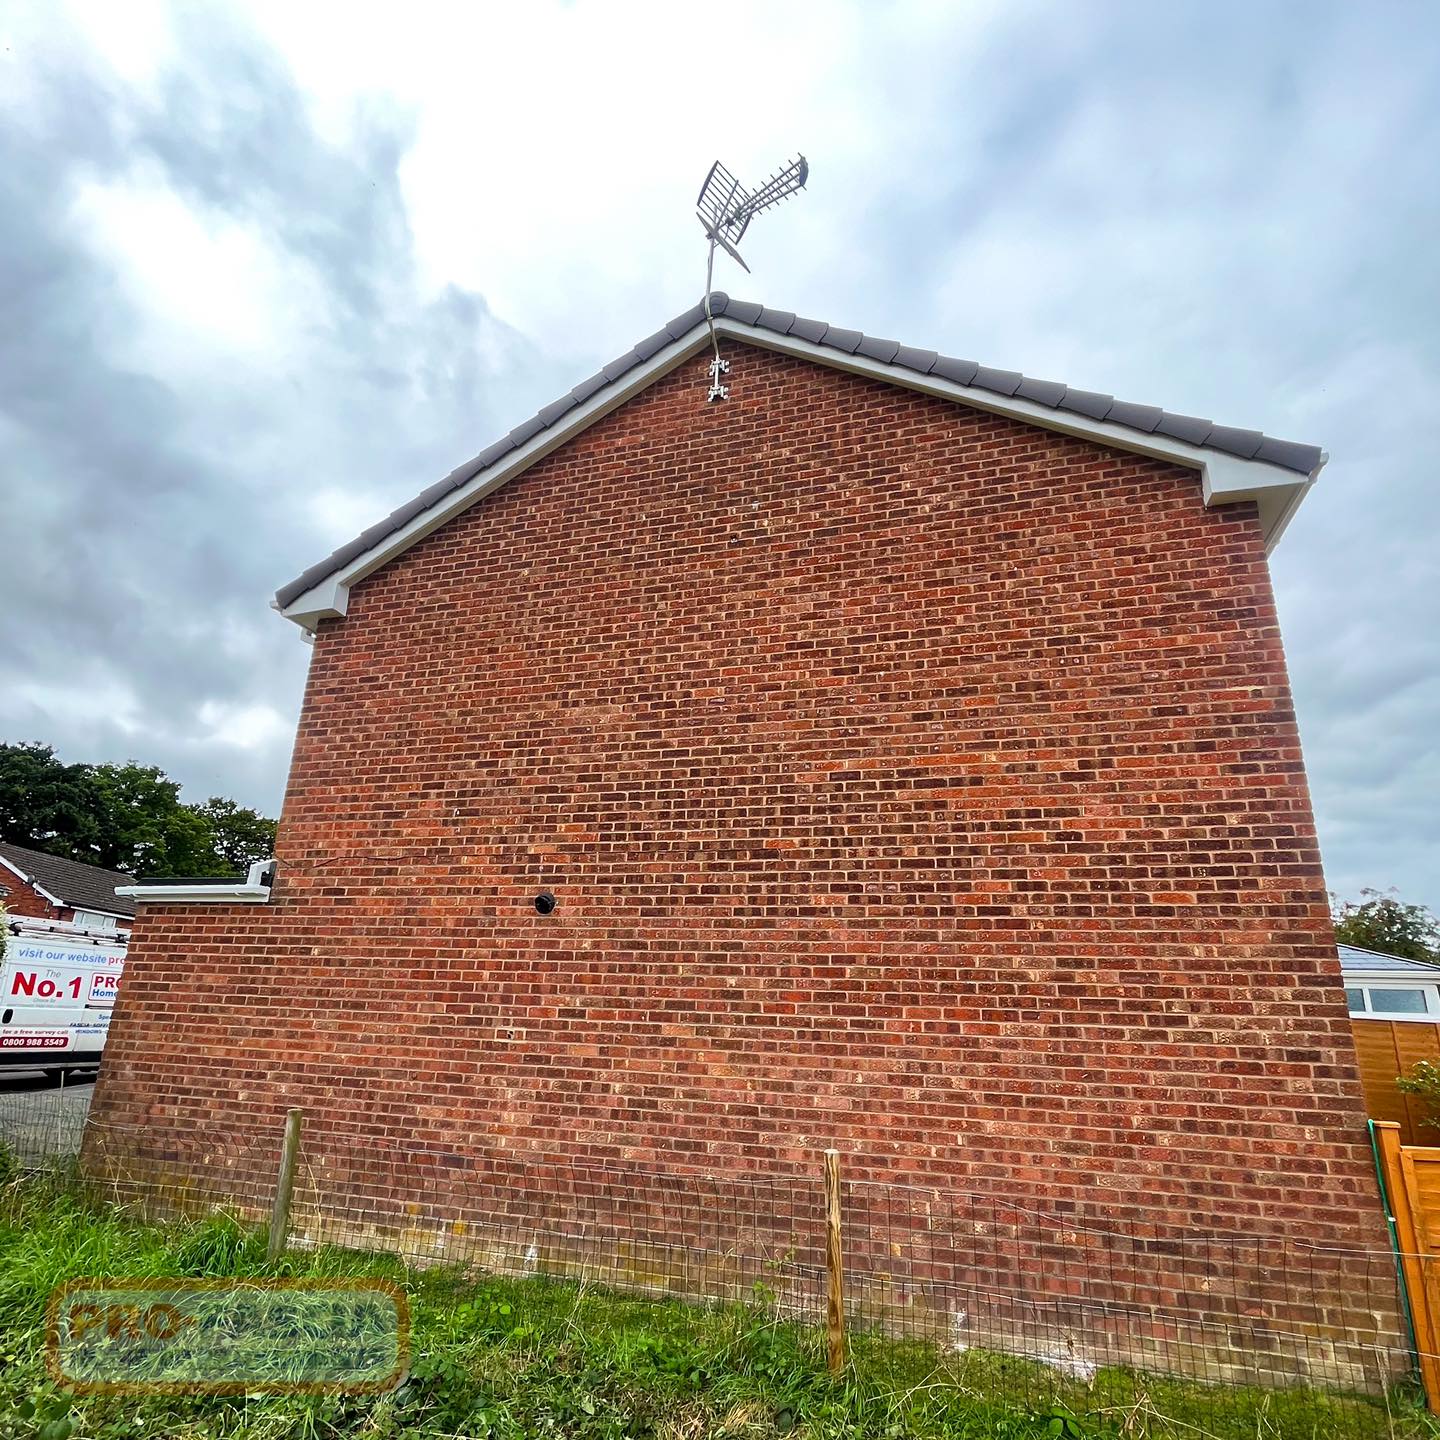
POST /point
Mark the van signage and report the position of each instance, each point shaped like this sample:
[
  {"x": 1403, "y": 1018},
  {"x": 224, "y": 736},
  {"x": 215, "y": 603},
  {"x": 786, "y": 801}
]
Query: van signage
[
  {"x": 52, "y": 986},
  {"x": 34, "y": 1039},
  {"x": 57, "y": 991},
  {"x": 48, "y": 952},
  {"x": 104, "y": 987}
]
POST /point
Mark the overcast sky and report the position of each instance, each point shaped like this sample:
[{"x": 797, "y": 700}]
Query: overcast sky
[{"x": 268, "y": 272}]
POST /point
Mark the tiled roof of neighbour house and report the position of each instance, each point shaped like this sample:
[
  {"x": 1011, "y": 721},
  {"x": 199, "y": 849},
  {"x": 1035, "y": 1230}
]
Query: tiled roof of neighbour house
[
  {"x": 70, "y": 882},
  {"x": 1353, "y": 958},
  {"x": 898, "y": 360}
]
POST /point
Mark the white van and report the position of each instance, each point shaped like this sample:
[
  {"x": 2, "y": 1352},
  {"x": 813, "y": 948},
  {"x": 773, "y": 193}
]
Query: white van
[{"x": 57, "y": 988}]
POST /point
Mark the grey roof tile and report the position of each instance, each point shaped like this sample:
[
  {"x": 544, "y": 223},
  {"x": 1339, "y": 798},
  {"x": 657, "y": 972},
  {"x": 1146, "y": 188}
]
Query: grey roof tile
[
  {"x": 621, "y": 365},
  {"x": 435, "y": 492},
  {"x": 1353, "y": 957},
  {"x": 1002, "y": 382},
  {"x": 684, "y": 324},
  {"x": 586, "y": 388},
  {"x": 1243, "y": 443},
  {"x": 811, "y": 330},
  {"x": 1042, "y": 392},
  {"x": 837, "y": 339},
  {"x": 555, "y": 409},
  {"x": 958, "y": 372},
  {"x": 882, "y": 350},
  {"x": 1148, "y": 419},
  {"x": 1135, "y": 417},
  {"x": 302, "y": 582},
  {"x": 1188, "y": 428},
  {"x": 652, "y": 344},
  {"x": 358, "y": 546},
  {"x": 491, "y": 453},
  {"x": 408, "y": 511},
  {"x": 1089, "y": 403},
  {"x": 377, "y": 531},
  {"x": 778, "y": 320},
  {"x": 918, "y": 360},
  {"x": 1289, "y": 454}
]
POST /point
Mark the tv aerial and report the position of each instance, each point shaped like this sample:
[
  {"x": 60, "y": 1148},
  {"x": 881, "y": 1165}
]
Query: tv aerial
[{"x": 725, "y": 208}]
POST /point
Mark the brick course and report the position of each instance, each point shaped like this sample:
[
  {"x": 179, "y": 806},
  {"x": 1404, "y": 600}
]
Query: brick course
[{"x": 911, "y": 780}]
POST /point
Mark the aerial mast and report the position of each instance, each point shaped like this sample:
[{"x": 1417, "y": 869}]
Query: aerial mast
[{"x": 725, "y": 208}]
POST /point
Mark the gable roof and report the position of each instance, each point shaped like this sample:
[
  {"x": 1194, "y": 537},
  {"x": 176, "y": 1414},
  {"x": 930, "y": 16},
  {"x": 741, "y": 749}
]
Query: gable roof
[
  {"x": 1233, "y": 464},
  {"x": 68, "y": 882}
]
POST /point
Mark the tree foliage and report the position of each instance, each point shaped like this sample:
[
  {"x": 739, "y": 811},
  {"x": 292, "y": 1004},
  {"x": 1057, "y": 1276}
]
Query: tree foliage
[
  {"x": 1382, "y": 922},
  {"x": 1423, "y": 1081},
  {"x": 124, "y": 817}
]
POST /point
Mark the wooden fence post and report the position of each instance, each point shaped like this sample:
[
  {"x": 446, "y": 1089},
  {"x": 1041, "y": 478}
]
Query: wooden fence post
[
  {"x": 834, "y": 1268},
  {"x": 1407, "y": 1236},
  {"x": 285, "y": 1186}
]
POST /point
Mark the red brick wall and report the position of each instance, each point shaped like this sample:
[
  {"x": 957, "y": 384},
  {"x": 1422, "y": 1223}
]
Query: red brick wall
[
  {"x": 24, "y": 899},
  {"x": 911, "y": 781}
]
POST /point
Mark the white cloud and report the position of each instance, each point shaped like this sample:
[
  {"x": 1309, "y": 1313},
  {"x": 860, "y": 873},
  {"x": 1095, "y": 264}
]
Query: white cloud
[
  {"x": 135, "y": 39},
  {"x": 243, "y": 727},
  {"x": 339, "y": 515},
  {"x": 201, "y": 280}
]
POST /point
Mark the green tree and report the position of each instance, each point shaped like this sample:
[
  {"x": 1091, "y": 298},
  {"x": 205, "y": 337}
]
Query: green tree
[
  {"x": 1423, "y": 1080},
  {"x": 238, "y": 835},
  {"x": 1381, "y": 921},
  {"x": 144, "y": 830},
  {"x": 125, "y": 817},
  {"x": 46, "y": 804}
]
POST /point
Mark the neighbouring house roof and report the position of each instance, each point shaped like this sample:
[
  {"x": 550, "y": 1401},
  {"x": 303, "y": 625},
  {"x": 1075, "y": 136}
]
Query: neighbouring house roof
[
  {"x": 1233, "y": 464},
  {"x": 70, "y": 883},
  {"x": 1353, "y": 960}
]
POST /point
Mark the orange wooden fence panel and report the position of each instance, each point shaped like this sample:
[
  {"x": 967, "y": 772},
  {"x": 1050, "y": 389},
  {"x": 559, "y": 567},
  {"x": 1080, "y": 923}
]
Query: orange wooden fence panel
[
  {"x": 1412, "y": 1190},
  {"x": 1385, "y": 1049}
]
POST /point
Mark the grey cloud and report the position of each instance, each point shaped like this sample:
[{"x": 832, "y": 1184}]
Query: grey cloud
[{"x": 151, "y": 515}]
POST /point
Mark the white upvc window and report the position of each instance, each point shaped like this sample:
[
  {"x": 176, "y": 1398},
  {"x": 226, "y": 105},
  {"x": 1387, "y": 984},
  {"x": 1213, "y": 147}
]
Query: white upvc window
[
  {"x": 1394, "y": 1000},
  {"x": 91, "y": 920}
]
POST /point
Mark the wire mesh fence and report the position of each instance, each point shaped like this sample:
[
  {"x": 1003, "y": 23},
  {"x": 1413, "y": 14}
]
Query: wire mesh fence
[
  {"x": 38, "y": 1126},
  {"x": 1085, "y": 1308}
]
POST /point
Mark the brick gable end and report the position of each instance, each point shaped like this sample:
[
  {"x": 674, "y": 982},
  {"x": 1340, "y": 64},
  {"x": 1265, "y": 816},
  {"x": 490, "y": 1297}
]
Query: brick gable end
[{"x": 909, "y": 779}]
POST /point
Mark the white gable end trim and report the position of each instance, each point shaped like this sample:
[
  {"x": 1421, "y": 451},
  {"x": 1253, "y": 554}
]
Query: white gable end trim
[
  {"x": 34, "y": 884},
  {"x": 1225, "y": 479}
]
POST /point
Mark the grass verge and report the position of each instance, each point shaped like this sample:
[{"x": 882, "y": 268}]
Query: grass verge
[{"x": 535, "y": 1357}]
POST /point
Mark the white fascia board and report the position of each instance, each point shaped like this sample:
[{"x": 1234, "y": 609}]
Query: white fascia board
[
  {"x": 237, "y": 894},
  {"x": 330, "y": 597},
  {"x": 35, "y": 885},
  {"x": 1362, "y": 975},
  {"x": 1225, "y": 478}
]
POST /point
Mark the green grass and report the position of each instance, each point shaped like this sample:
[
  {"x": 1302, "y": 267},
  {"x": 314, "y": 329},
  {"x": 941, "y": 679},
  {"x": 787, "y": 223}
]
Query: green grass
[{"x": 538, "y": 1357}]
